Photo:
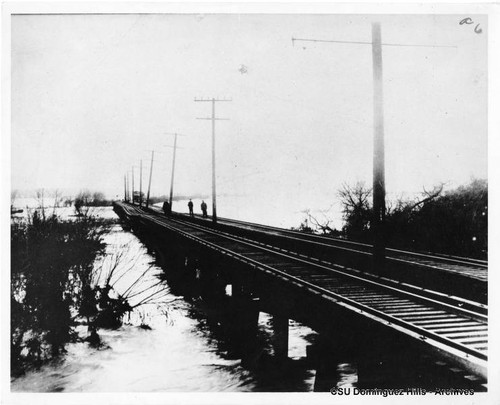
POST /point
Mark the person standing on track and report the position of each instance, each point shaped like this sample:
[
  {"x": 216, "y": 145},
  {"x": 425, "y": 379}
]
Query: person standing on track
[
  {"x": 190, "y": 205},
  {"x": 166, "y": 208},
  {"x": 204, "y": 209}
]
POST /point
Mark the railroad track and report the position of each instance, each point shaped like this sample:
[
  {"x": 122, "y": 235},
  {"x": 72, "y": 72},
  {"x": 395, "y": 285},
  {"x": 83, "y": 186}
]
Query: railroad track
[
  {"x": 470, "y": 267},
  {"x": 455, "y": 326}
]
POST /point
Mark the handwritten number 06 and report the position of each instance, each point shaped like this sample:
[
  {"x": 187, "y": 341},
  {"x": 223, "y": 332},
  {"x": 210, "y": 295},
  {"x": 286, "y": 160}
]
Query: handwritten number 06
[{"x": 469, "y": 21}]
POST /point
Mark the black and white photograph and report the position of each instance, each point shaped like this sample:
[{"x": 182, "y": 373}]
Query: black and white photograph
[{"x": 246, "y": 198}]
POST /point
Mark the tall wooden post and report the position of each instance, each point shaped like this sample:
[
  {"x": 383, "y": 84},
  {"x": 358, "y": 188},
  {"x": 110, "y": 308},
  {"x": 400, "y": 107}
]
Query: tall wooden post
[
  {"x": 128, "y": 187},
  {"x": 173, "y": 169},
  {"x": 133, "y": 185},
  {"x": 125, "y": 187},
  {"x": 214, "y": 204},
  {"x": 213, "y": 119},
  {"x": 140, "y": 185},
  {"x": 378, "y": 153},
  {"x": 280, "y": 336},
  {"x": 150, "y": 175}
]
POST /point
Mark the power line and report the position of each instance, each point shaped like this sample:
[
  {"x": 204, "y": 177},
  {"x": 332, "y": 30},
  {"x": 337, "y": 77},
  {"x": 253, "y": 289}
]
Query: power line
[
  {"x": 370, "y": 43},
  {"x": 378, "y": 221}
]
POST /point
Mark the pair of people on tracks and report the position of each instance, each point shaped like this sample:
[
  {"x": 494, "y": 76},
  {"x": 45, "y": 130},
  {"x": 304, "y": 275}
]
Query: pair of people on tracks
[{"x": 203, "y": 209}]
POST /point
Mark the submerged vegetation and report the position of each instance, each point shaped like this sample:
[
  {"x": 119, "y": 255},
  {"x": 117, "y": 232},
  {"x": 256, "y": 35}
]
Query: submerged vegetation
[
  {"x": 62, "y": 286},
  {"x": 51, "y": 260}
]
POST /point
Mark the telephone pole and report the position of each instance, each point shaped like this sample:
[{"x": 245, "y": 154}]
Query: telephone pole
[
  {"x": 150, "y": 175},
  {"x": 140, "y": 185},
  {"x": 213, "y": 119},
  {"x": 173, "y": 166},
  {"x": 133, "y": 185},
  {"x": 130, "y": 200},
  {"x": 378, "y": 219},
  {"x": 128, "y": 187},
  {"x": 125, "y": 188},
  {"x": 378, "y": 152}
]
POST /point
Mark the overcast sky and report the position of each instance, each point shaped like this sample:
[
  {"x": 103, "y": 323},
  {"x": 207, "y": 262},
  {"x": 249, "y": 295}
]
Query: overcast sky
[{"x": 91, "y": 94}]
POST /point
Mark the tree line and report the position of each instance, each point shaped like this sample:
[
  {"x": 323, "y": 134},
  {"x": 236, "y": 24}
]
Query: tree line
[{"x": 454, "y": 222}]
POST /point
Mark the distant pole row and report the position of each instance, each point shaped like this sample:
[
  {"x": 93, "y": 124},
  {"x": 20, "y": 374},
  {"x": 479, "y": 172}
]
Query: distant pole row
[
  {"x": 127, "y": 193},
  {"x": 378, "y": 219}
]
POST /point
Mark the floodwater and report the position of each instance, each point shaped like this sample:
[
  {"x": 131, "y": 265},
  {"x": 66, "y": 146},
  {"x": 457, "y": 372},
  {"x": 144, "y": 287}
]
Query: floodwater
[
  {"x": 183, "y": 348},
  {"x": 182, "y": 351}
]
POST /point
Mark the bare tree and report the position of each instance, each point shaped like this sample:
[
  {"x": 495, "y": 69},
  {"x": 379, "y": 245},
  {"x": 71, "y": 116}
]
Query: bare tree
[
  {"x": 57, "y": 198},
  {"x": 429, "y": 195},
  {"x": 40, "y": 198},
  {"x": 82, "y": 200},
  {"x": 356, "y": 209},
  {"x": 323, "y": 226}
]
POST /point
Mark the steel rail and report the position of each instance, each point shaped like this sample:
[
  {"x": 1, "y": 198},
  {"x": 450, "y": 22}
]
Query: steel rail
[
  {"x": 336, "y": 242},
  {"x": 446, "y": 259},
  {"x": 361, "y": 308},
  {"x": 479, "y": 311},
  {"x": 438, "y": 258},
  {"x": 458, "y": 302},
  {"x": 332, "y": 244}
]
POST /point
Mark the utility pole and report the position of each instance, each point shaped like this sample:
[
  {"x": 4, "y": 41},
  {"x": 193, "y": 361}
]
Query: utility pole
[
  {"x": 133, "y": 184},
  {"x": 378, "y": 220},
  {"x": 378, "y": 152},
  {"x": 128, "y": 187},
  {"x": 150, "y": 175},
  {"x": 173, "y": 166},
  {"x": 213, "y": 119},
  {"x": 140, "y": 185},
  {"x": 125, "y": 188},
  {"x": 378, "y": 215}
]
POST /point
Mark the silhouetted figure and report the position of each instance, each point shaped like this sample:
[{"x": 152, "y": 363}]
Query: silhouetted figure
[
  {"x": 36, "y": 219},
  {"x": 166, "y": 208},
  {"x": 204, "y": 209},
  {"x": 190, "y": 205}
]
